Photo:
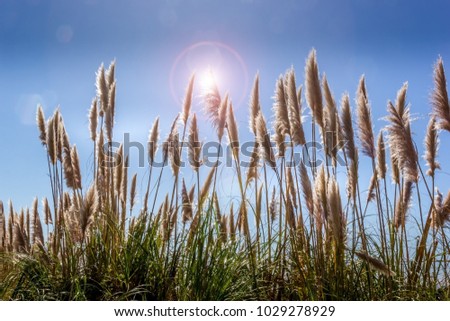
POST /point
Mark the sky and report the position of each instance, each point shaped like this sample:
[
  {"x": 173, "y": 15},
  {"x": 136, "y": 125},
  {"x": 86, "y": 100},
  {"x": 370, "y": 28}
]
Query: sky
[{"x": 51, "y": 50}]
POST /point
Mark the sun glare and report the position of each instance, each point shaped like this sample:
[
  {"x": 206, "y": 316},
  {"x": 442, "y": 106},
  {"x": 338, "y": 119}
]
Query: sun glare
[{"x": 208, "y": 79}]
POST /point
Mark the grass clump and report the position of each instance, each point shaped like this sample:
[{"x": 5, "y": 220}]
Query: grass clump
[{"x": 300, "y": 229}]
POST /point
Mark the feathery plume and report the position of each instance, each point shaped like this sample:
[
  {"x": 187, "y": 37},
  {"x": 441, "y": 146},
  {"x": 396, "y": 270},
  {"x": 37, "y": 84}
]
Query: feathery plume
[
  {"x": 400, "y": 138},
  {"x": 212, "y": 102},
  {"x": 431, "y": 147},
  {"x": 363, "y": 112},
  {"x": 187, "y": 100},
  {"x": 439, "y": 97},
  {"x": 76, "y": 168},
  {"x": 51, "y": 141},
  {"x": 38, "y": 235},
  {"x": 19, "y": 239},
  {"x": 47, "y": 213},
  {"x": 231, "y": 224},
  {"x": 174, "y": 151},
  {"x": 109, "y": 113},
  {"x": 118, "y": 169},
  {"x": 295, "y": 110},
  {"x": 93, "y": 114},
  {"x": 110, "y": 73},
  {"x": 187, "y": 206},
  {"x": 2, "y": 227},
  {"x": 153, "y": 141},
  {"x": 102, "y": 89},
  {"x": 222, "y": 117},
  {"x": 441, "y": 210},
  {"x": 306, "y": 188},
  {"x": 313, "y": 92},
  {"x": 254, "y": 105},
  {"x": 347, "y": 128},
  {"x": 195, "y": 145},
  {"x": 338, "y": 224},
  {"x": 133, "y": 192},
  {"x": 281, "y": 124},
  {"x": 381, "y": 157},
  {"x": 233, "y": 136},
  {"x": 207, "y": 184},
  {"x": 252, "y": 172},
  {"x": 291, "y": 187},
  {"x": 321, "y": 211},
  {"x": 331, "y": 121},
  {"x": 373, "y": 183},
  {"x": 40, "y": 120},
  {"x": 124, "y": 186},
  {"x": 395, "y": 172},
  {"x": 273, "y": 206},
  {"x": 88, "y": 208},
  {"x": 263, "y": 138},
  {"x": 402, "y": 205}
]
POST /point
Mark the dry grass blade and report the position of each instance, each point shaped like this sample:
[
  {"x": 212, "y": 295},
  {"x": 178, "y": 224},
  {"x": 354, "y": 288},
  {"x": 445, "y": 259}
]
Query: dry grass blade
[
  {"x": 439, "y": 97},
  {"x": 375, "y": 264}
]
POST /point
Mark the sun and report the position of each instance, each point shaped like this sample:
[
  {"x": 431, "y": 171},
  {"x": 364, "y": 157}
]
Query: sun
[{"x": 208, "y": 80}]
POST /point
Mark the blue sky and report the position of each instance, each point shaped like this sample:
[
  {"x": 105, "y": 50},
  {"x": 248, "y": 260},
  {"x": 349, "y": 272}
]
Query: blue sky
[{"x": 50, "y": 51}]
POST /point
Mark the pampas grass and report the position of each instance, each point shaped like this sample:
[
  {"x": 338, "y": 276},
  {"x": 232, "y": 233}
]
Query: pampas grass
[{"x": 290, "y": 233}]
